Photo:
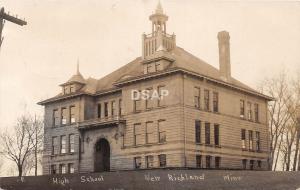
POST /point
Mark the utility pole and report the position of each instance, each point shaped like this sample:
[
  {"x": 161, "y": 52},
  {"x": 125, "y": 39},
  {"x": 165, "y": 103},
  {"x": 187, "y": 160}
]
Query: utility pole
[{"x": 6, "y": 17}]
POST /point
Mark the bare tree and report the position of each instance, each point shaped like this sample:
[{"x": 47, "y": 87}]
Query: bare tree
[
  {"x": 297, "y": 145},
  {"x": 290, "y": 136},
  {"x": 37, "y": 141},
  {"x": 17, "y": 144},
  {"x": 284, "y": 120},
  {"x": 277, "y": 88},
  {"x": 1, "y": 163},
  {"x": 292, "y": 129},
  {"x": 296, "y": 120}
]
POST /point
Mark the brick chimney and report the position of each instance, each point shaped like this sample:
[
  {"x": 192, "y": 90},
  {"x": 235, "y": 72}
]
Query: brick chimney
[{"x": 224, "y": 55}]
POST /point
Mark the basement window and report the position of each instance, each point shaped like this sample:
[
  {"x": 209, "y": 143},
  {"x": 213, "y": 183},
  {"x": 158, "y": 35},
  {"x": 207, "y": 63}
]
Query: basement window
[
  {"x": 53, "y": 169},
  {"x": 217, "y": 162},
  {"x": 137, "y": 162},
  {"x": 71, "y": 168},
  {"x": 244, "y": 162},
  {"x": 149, "y": 161},
  {"x": 208, "y": 160},
  {"x": 62, "y": 169},
  {"x": 198, "y": 161},
  {"x": 162, "y": 160}
]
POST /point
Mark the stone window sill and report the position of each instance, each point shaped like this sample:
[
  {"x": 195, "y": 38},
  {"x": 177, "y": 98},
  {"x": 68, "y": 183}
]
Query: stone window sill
[
  {"x": 144, "y": 145},
  {"x": 63, "y": 154}
]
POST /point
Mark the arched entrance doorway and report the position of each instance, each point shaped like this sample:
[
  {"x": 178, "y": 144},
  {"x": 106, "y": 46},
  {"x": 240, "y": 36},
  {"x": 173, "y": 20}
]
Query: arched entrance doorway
[{"x": 102, "y": 156}]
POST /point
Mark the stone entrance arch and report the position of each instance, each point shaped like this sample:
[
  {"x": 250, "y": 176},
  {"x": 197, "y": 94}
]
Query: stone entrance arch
[{"x": 102, "y": 156}]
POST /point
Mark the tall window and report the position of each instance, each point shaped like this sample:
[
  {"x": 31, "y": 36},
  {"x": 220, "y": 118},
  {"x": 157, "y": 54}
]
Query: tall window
[
  {"x": 198, "y": 131},
  {"x": 244, "y": 162},
  {"x": 256, "y": 119},
  {"x": 198, "y": 161},
  {"x": 55, "y": 118},
  {"x": 217, "y": 134},
  {"x": 66, "y": 90},
  {"x": 64, "y": 116},
  {"x": 149, "y": 102},
  {"x": 120, "y": 107},
  {"x": 250, "y": 140},
  {"x": 71, "y": 168},
  {"x": 158, "y": 66},
  {"x": 257, "y": 139},
  {"x": 136, "y": 103},
  {"x": 53, "y": 169},
  {"x": 63, "y": 144},
  {"x": 197, "y": 97},
  {"x": 99, "y": 110},
  {"x": 150, "y": 131},
  {"x": 72, "y": 88},
  {"x": 72, "y": 143},
  {"x": 251, "y": 164},
  {"x": 161, "y": 131},
  {"x": 137, "y": 162},
  {"x": 138, "y": 134},
  {"x": 105, "y": 109},
  {"x": 217, "y": 162},
  {"x": 206, "y": 100},
  {"x": 243, "y": 138},
  {"x": 113, "y": 108},
  {"x": 259, "y": 163},
  {"x": 208, "y": 160},
  {"x": 215, "y": 102},
  {"x": 207, "y": 133},
  {"x": 249, "y": 110},
  {"x": 242, "y": 108},
  {"x": 72, "y": 114},
  {"x": 162, "y": 160},
  {"x": 54, "y": 145},
  {"x": 62, "y": 169},
  {"x": 150, "y": 68},
  {"x": 149, "y": 161},
  {"x": 161, "y": 99}
]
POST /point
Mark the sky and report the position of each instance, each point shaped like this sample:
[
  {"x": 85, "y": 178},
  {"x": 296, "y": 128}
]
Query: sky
[{"x": 106, "y": 34}]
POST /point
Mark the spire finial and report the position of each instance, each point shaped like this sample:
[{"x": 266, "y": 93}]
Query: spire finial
[
  {"x": 159, "y": 9},
  {"x": 78, "y": 66}
]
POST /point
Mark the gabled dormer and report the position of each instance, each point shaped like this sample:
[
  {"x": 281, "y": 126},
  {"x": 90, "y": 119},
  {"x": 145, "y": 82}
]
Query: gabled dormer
[{"x": 74, "y": 84}]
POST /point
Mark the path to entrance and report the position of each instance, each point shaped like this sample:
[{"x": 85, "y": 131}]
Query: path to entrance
[{"x": 159, "y": 180}]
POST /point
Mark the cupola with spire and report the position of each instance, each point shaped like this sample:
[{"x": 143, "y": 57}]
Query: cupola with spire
[
  {"x": 158, "y": 40},
  {"x": 75, "y": 83}
]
